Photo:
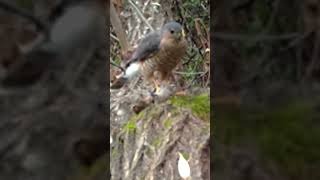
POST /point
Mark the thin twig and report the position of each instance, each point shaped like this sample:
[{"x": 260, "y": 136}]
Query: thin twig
[
  {"x": 140, "y": 14},
  {"x": 256, "y": 38},
  {"x": 272, "y": 19},
  {"x": 116, "y": 65},
  {"x": 146, "y": 4},
  {"x": 191, "y": 57},
  {"x": 114, "y": 37},
  {"x": 297, "y": 40},
  {"x": 298, "y": 53},
  {"x": 188, "y": 73},
  {"x": 315, "y": 55},
  {"x": 39, "y": 25}
]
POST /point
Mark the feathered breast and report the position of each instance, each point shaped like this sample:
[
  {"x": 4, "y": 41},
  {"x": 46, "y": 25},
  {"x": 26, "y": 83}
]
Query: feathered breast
[{"x": 169, "y": 55}]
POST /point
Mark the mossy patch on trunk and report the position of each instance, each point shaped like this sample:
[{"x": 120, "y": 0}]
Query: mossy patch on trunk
[{"x": 199, "y": 104}]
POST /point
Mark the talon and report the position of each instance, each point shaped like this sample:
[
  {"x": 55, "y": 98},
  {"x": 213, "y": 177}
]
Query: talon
[
  {"x": 158, "y": 90},
  {"x": 153, "y": 93},
  {"x": 156, "y": 85}
]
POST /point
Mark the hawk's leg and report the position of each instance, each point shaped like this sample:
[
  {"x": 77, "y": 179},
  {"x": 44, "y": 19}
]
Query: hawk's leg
[
  {"x": 156, "y": 87},
  {"x": 152, "y": 82},
  {"x": 164, "y": 78}
]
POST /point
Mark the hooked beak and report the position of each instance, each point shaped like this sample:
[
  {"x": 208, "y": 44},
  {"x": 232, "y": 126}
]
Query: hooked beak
[{"x": 180, "y": 34}]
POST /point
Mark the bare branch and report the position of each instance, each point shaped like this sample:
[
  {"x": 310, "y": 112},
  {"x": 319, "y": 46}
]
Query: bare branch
[
  {"x": 116, "y": 65},
  {"x": 114, "y": 37},
  {"x": 116, "y": 23},
  {"x": 257, "y": 38},
  {"x": 14, "y": 10},
  {"x": 140, "y": 14},
  {"x": 189, "y": 73}
]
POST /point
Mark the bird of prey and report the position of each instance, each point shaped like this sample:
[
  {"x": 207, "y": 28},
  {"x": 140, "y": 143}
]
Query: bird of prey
[
  {"x": 80, "y": 26},
  {"x": 158, "y": 53}
]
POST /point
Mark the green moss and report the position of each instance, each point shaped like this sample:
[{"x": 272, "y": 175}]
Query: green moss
[
  {"x": 167, "y": 123},
  {"x": 155, "y": 111},
  {"x": 131, "y": 125},
  {"x": 138, "y": 116},
  {"x": 114, "y": 153},
  {"x": 156, "y": 142},
  {"x": 174, "y": 112},
  {"x": 185, "y": 155},
  {"x": 199, "y": 104}
]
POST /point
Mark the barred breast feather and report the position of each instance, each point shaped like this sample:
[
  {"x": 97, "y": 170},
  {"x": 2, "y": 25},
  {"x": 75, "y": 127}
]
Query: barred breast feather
[{"x": 167, "y": 58}]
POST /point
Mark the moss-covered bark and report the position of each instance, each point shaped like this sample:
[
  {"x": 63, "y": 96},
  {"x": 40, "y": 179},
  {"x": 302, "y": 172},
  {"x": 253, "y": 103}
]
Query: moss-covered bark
[{"x": 146, "y": 146}]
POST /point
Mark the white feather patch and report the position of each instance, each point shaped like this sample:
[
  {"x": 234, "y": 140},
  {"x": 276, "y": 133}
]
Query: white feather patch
[{"x": 133, "y": 70}]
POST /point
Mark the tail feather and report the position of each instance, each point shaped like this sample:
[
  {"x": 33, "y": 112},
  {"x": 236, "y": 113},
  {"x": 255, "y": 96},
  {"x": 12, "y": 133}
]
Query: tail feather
[{"x": 130, "y": 72}]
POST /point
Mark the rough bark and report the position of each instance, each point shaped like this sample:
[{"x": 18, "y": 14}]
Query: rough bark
[{"x": 145, "y": 145}]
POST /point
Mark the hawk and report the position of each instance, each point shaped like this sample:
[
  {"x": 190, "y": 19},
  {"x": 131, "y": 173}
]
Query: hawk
[{"x": 158, "y": 52}]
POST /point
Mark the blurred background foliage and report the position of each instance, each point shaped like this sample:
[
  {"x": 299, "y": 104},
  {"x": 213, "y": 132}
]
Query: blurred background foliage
[
  {"x": 266, "y": 89},
  {"x": 25, "y": 3}
]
